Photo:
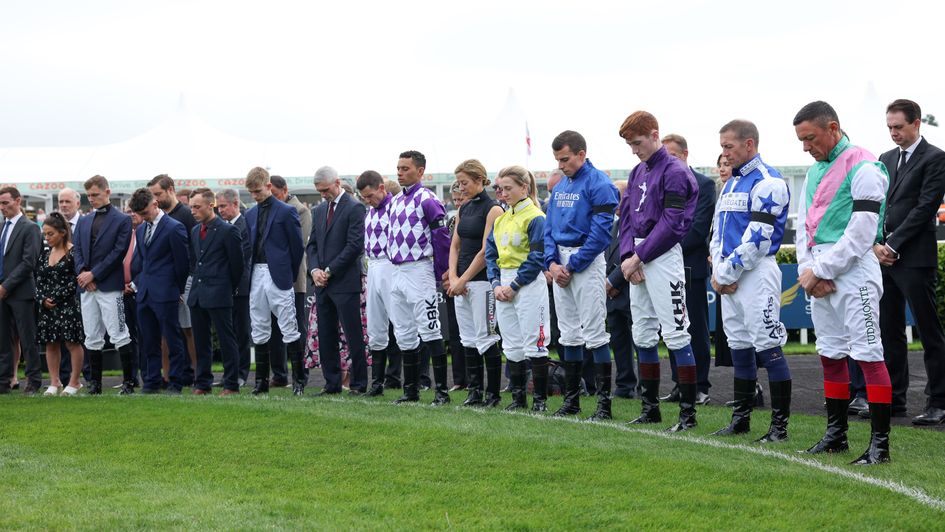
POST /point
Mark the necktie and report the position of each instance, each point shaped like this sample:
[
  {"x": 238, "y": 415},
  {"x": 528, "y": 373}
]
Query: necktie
[
  {"x": 203, "y": 231},
  {"x": 3, "y": 244},
  {"x": 902, "y": 159},
  {"x": 147, "y": 234},
  {"x": 331, "y": 211}
]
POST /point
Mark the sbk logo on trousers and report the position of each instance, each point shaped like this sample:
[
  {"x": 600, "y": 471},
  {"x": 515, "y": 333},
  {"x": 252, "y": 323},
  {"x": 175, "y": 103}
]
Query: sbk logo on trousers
[{"x": 433, "y": 314}]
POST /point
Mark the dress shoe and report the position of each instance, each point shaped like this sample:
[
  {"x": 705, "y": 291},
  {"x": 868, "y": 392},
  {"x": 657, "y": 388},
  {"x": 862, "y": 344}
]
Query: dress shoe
[
  {"x": 226, "y": 393},
  {"x": 198, "y": 391},
  {"x": 931, "y": 416},
  {"x": 474, "y": 397},
  {"x": 376, "y": 391},
  {"x": 127, "y": 388},
  {"x": 702, "y": 398},
  {"x": 356, "y": 392},
  {"x": 30, "y": 389},
  {"x": 491, "y": 400},
  {"x": 298, "y": 389},
  {"x": 95, "y": 388},
  {"x": 858, "y": 405},
  {"x": 672, "y": 396},
  {"x": 440, "y": 398},
  {"x": 279, "y": 383}
]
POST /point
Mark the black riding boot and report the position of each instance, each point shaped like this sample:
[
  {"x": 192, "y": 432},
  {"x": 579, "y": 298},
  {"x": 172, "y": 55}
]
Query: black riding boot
[
  {"x": 441, "y": 394},
  {"x": 517, "y": 376},
  {"x": 378, "y": 367},
  {"x": 572, "y": 388},
  {"x": 780, "y": 412},
  {"x": 741, "y": 416},
  {"x": 411, "y": 362},
  {"x": 649, "y": 394},
  {"x": 540, "y": 384},
  {"x": 294, "y": 352},
  {"x": 878, "y": 451},
  {"x": 603, "y": 381},
  {"x": 835, "y": 438},
  {"x": 95, "y": 365},
  {"x": 687, "y": 408},
  {"x": 127, "y": 370},
  {"x": 262, "y": 369},
  {"x": 493, "y": 376},
  {"x": 474, "y": 371}
]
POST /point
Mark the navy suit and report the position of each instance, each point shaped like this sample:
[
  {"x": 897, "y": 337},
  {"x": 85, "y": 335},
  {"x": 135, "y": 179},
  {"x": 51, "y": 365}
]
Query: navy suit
[
  {"x": 282, "y": 241},
  {"x": 104, "y": 261},
  {"x": 619, "y": 320},
  {"x": 18, "y": 310},
  {"x": 217, "y": 265},
  {"x": 338, "y": 246},
  {"x": 241, "y": 301},
  {"x": 695, "y": 248},
  {"x": 159, "y": 272}
]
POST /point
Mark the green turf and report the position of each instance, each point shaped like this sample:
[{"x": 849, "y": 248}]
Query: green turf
[{"x": 243, "y": 463}]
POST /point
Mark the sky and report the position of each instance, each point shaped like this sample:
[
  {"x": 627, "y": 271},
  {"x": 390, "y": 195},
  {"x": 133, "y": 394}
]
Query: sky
[{"x": 399, "y": 74}]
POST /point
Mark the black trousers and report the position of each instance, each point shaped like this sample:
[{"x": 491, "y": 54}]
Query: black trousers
[
  {"x": 222, "y": 320},
  {"x": 241, "y": 329},
  {"x": 456, "y": 346},
  {"x": 619, "y": 322},
  {"x": 697, "y": 305},
  {"x": 20, "y": 316},
  {"x": 917, "y": 287},
  {"x": 395, "y": 361},
  {"x": 345, "y": 307}
]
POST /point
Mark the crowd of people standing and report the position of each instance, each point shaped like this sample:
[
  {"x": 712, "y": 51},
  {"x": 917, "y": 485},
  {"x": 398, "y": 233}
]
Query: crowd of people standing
[{"x": 608, "y": 270}]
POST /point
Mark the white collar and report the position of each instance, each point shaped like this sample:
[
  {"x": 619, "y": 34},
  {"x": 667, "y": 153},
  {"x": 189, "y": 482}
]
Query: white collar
[
  {"x": 14, "y": 220},
  {"x": 911, "y": 149},
  {"x": 158, "y": 218},
  {"x": 237, "y": 217}
]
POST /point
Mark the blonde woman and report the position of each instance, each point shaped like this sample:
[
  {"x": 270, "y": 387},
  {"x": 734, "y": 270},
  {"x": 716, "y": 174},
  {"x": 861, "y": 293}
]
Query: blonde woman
[{"x": 514, "y": 264}]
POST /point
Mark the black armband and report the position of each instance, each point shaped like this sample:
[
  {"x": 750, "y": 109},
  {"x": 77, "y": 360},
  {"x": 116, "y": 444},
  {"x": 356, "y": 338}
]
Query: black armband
[
  {"x": 536, "y": 246},
  {"x": 763, "y": 217},
  {"x": 436, "y": 224},
  {"x": 606, "y": 209},
  {"x": 674, "y": 201},
  {"x": 865, "y": 205}
]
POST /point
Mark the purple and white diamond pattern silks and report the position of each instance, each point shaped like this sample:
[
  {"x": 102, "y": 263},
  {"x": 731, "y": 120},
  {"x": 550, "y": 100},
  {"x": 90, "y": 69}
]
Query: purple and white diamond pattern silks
[
  {"x": 375, "y": 231},
  {"x": 409, "y": 231}
]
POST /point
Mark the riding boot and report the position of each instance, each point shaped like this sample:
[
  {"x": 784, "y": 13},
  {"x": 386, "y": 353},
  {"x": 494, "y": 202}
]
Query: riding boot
[
  {"x": 517, "y": 381},
  {"x": 411, "y": 363},
  {"x": 878, "y": 451},
  {"x": 294, "y": 352},
  {"x": 262, "y": 369},
  {"x": 540, "y": 384},
  {"x": 127, "y": 370},
  {"x": 835, "y": 438},
  {"x": 603, "y": 381},
  {"x": 474, "y": 370},
  {"x": 572, "y": 388},
  {"x": 687, "y": 408},
  {"x": 441, "y": 394},
  {"x": 649, "y": 394},
  {"x": 493, "y": 376},
  {"x": 780, "y": 412},
  {"x": 95, "y": 364},
  {"x": 741, "y": 415},
  {"x": 378, "y": 367}
]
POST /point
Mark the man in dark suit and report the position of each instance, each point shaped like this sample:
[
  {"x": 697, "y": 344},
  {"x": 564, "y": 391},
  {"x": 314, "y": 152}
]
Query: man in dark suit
[
  {"x": 334, "y": 260},
  {"x": 228, "y": 203},
  {"x": 216, "y": 257},
  {"x": 909, "y": 257},
  {"x": 20, "y": 246},
  {"x": 619, "y": 320},
  {"x": 101, "y": 241},
  {"x": 159, "y": 272},
  {"x": 695, "y": 247},
  {"x": 276, "y": 240}
]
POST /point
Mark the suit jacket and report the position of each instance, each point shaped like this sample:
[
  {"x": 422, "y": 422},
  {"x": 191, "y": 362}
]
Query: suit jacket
[
  {"x": 216, "y": 264},
  {"x": 338, "y": 245},
  {"x": 305, "y": 218},
  {"x": 695, "y": 245},
  {"x": 282, "y": 241},
  {"x": 614, "y": 275},
  {"x": 104, "y": 258},
  {"x": 242, "y": 288},
  {"x": 159, "y": 268},
  {"x": 913, "y": 197},
  {"x": 24, "y": 246}
]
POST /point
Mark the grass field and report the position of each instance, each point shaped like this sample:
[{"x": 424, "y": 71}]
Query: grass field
[{"x": 243, "y": 463}]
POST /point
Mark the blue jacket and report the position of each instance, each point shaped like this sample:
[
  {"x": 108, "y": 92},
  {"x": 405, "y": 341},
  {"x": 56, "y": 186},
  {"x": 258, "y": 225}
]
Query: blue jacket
[
  {"x": 216, "y": 264},
  {"x": 339, "y": 245},
  {"x": 282, "y": 241},
  {"x": 580, "y": 213},
  {"x": 159, "y": 268},
  {"x": 105, "y": 258},
  {"x": 695, "y": 245},
  {"x": 243, "y": 287}
]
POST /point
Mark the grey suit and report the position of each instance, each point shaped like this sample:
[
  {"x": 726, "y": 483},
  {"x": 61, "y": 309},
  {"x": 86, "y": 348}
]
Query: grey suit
[{"x": 18, "y": 308}]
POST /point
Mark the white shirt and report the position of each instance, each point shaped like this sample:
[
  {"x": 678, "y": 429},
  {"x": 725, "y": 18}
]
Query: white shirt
[
  {"x": 74, "y": 220},
  {"x": 910, "y": 150},
  {"x": 10, "y": 230},
  {"x": 154, "y": 224},
  {"x": 237, "y": 217}
]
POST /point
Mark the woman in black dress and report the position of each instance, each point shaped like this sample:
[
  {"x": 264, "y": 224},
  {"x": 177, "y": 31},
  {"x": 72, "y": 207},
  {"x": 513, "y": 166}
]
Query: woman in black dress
[{"x": 60, "y": 319}]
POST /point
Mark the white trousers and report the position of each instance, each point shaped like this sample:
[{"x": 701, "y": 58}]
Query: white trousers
[
  {"x": 658, "y": 304},
  {"x": 265, "y": 300},
  {"x": 752, "y": 315},
  {"x": 475, "y": 315},
  {"x": 524, "y": 321},
  {"x": 379, "y": 282},
  {"x": 104, "y": 312},
  {"x": 414, "y": 304},
  {"x": 582, "y": 305},
  {"x": 847, "y": 321}
]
